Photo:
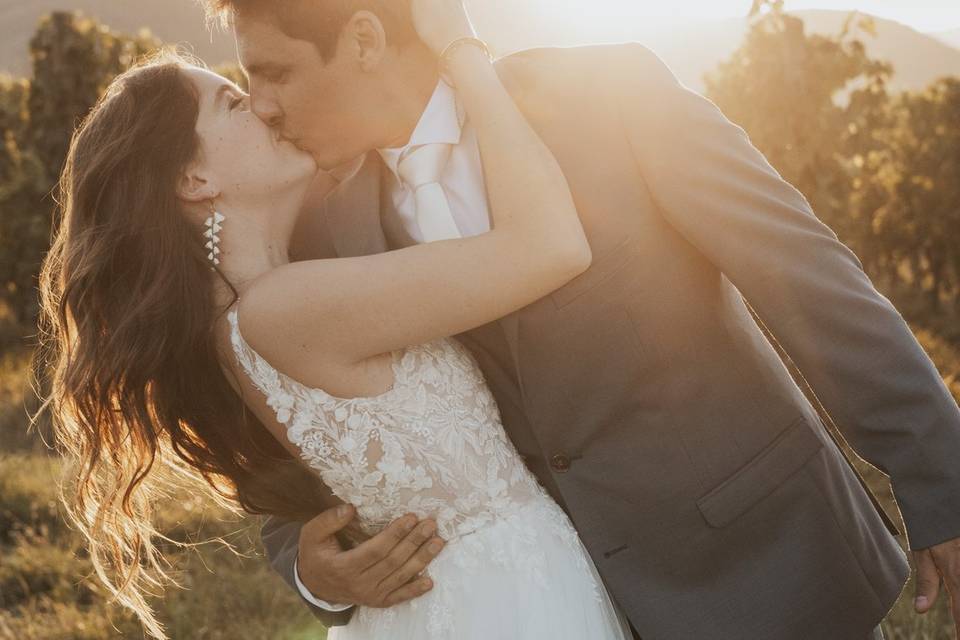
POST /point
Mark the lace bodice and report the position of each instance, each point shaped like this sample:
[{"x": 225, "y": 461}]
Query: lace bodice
[{"x": 432, "y": 444}]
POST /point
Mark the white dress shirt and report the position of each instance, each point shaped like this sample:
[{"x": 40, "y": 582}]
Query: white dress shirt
[
  {"x": 312, "y": 599},
  {"x": 443, "y": 121}
]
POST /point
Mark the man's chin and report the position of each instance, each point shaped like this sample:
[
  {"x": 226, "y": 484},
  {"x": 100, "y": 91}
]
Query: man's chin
[
  {"x": 339, "y": 169},
  {"x": 324, "y": 161}
]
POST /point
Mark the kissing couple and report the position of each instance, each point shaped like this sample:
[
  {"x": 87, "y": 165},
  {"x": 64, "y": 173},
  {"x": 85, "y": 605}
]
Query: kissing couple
[{"x": 507, "y": 367}]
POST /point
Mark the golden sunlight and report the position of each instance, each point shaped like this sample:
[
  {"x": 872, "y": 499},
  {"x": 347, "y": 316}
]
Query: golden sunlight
[{"x": 923, "y": 15}]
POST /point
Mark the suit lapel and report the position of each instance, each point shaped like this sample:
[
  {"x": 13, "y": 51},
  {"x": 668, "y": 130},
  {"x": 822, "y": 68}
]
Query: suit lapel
[{"x": 353, "y": 212}]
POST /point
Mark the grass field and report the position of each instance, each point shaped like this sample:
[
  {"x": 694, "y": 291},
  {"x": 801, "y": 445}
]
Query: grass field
[{"x": 47, "y": 592}]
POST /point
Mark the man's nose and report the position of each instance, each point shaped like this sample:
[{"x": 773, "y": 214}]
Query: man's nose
[{"x": 266, "y": 109}]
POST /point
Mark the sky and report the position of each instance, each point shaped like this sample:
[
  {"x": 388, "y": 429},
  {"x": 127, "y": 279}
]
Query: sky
[{"x": 923, "y": 15}]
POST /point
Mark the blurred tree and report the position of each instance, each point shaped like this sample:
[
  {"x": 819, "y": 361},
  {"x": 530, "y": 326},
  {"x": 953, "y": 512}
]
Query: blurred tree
[
  {"x": 926, "y": 197},
  {"x": 13, "y": 105},
  {"x": 74, "y": 59},
  {"x": 786, "y": 88},
  {"x": 24, "y": 221},
  {"x": 866, "y": 151},
  {"x": 883, "y": 171},
  {"x": 904, "y": 161}
]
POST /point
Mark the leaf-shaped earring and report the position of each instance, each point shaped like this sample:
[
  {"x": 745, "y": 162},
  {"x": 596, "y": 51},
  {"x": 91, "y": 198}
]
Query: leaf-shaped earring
[{"x": 213, "y": 240}]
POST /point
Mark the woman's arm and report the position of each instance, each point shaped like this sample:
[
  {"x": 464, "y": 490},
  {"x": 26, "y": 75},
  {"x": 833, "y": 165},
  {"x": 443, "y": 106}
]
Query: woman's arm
[{"x": 349, "y": 310}]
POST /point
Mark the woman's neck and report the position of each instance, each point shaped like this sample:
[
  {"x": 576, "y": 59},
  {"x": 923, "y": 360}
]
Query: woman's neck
[{"x": 252, "y": 243}]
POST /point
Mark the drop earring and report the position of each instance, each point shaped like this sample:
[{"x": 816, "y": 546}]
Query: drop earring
[{"x": 213, "y": 240}]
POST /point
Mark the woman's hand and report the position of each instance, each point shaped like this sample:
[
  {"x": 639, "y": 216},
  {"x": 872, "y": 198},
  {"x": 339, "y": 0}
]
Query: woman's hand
[{"x": 440, "y": 22}]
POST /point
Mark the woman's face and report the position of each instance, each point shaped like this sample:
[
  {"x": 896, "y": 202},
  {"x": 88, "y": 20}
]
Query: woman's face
[{"x": 240, "y": 156}]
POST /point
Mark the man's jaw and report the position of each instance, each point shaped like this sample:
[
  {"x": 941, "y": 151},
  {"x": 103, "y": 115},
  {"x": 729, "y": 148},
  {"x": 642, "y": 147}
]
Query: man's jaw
[{"x": 346, "y": 169}]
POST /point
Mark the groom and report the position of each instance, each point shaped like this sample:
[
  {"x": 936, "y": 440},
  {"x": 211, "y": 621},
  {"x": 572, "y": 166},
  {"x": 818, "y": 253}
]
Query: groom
[{"x": 643, "y": 394}]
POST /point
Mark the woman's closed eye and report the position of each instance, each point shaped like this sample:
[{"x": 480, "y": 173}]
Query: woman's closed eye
[{"x": 236, "y": 102}]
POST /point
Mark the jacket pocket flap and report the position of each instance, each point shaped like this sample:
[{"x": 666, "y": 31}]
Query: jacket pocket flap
[{"x": 783, "y": 457}]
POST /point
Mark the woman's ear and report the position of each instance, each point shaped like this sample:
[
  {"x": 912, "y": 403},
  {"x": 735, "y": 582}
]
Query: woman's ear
[{"x": 195, "y": 186}]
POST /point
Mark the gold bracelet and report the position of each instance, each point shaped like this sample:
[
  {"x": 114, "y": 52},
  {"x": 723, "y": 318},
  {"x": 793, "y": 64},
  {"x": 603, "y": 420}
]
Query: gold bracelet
[
  {"x": 459, "y": 42},
  {"x": 452, "y": 47}
]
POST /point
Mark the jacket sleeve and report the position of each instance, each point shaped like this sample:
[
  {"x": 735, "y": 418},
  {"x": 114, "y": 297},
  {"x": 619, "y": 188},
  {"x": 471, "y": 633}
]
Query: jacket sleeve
[
  {"x": 280, "y": 541},
  {"x": 853, "y": 347}
]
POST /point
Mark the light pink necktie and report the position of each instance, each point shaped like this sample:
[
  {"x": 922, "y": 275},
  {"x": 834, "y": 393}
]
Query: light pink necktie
[{"x": 420, "y": 169}]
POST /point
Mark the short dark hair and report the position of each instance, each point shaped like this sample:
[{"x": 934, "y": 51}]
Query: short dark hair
[{"x": 320, "y": 21}]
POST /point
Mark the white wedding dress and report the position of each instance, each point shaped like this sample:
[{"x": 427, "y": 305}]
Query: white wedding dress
[{"x": 513, "y": 566}]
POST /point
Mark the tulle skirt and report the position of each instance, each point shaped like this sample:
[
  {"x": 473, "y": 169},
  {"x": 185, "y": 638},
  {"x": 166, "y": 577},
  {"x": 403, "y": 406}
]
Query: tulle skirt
[{"x": 524, "y": 576}]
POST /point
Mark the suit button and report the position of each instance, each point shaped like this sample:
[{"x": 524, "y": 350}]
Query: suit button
[{"x": 560, "y": 463}]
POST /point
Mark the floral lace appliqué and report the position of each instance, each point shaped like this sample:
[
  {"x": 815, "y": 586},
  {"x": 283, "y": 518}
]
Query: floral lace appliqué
[{"x": 432, "y": 445}]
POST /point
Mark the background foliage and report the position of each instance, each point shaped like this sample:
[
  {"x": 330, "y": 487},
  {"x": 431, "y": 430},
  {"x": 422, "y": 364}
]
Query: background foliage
[
  {"x": 47, "y": 590},
  {"x": 881, "y": 168}
]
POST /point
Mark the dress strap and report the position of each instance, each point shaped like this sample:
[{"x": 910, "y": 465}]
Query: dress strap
[{"x": 277, "y": 384}]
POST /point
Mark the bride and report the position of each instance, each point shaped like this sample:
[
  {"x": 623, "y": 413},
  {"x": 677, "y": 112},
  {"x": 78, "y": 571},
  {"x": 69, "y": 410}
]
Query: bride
[{"x": 183, "y": 343}]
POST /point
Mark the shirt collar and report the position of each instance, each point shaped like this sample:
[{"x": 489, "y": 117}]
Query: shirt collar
[{"x": 441, "y": 123}]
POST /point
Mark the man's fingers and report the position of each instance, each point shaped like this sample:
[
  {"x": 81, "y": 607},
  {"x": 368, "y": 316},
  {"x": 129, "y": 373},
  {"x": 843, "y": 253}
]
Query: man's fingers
[
  {"x": 946, "y": 557},
  {"x": 928, "y": 581},
  {"x": 354, "y": 534},
  {"x": 369, "y": 553},
  {"x": 409, "y": 591},
  {"x": 412, "y": 567},
  {"x": 326, "y": 524},
  {"x": 403, "y": 551}
]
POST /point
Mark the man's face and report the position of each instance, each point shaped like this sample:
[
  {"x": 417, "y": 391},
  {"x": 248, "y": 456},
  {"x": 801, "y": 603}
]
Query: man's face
[
  {"x": 329, "y": 109},
  {"x": 239, "y": 153}
]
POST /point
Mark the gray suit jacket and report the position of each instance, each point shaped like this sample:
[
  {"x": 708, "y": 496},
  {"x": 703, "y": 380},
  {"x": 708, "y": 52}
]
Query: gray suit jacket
[{"x": 651, "y": 405}]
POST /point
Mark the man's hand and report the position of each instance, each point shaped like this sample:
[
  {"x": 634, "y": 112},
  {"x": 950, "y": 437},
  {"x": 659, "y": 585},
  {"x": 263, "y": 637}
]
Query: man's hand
[
  {"x": 939, "y": 562},
  {"x": 380, "y": 572}
]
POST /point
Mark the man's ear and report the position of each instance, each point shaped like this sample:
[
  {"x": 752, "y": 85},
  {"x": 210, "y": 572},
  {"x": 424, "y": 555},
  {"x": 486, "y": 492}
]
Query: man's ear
[
  {"x": 365, "y": 35},
  {"x": 195, "y": 186}
]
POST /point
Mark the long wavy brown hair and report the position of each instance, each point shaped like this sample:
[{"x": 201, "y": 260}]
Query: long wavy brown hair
[{"x": 138, "y": 399}]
